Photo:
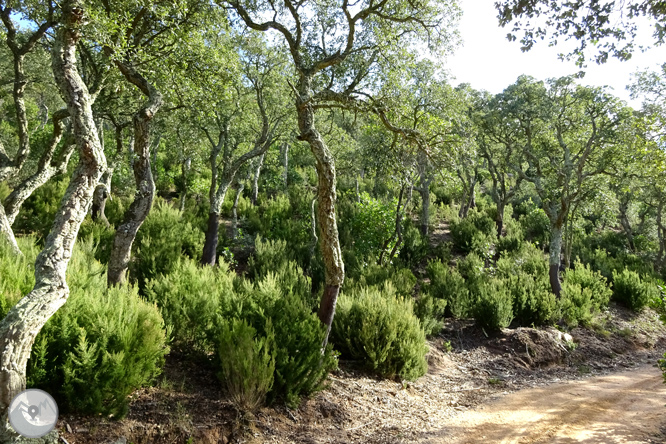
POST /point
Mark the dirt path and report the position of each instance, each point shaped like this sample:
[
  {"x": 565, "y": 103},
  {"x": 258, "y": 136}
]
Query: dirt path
[{"x": 625, "y": 408}]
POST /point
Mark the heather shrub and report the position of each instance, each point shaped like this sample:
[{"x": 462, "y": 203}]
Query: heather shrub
[
  {"x": 475, "y": 233},
  {"x": 630, "y": 290},
  {"x": 104, "y": 342},
  {"x": 414, "y": 247},
  {"x": 161, "y": 241},
  {"x": 536, "y": 226},
  {"x": 402, "y": 279},
  {"x": 430, "y": 311},
  {"x": 38, "y": 211},
  {"x": 513, "y": 237},
  {"x": 102, "y": 238},
  {"x": 247, "y": 363},
  {"x": 189, "y": 298},
  {"x": 492, "y": 307},
  {"x": 17, "y": 272},
  {"x": 381, "y": 330},
  {"x": 584, "y": 292},
  {"x": 448, "y": 285},
  {"x": 300, "y": 366}
]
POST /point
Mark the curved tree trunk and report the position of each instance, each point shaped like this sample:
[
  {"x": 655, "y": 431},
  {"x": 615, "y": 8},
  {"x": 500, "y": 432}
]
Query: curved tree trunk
[
  {"x": 185, "y": 173},
  {"x": 499, "y": 219},
  {"x": 425, "y": 208},
  {"x": 234, "y": 208},
  {"x": 285, "y": 164},
  {"x": 554, "y": 258},
  {"x": 101, "y": 195},
  {"x": 326, "y": 194},
  {"x": 255, "y": 181},
  {"x": 24, "y": 321},
  {"x": 209, "y": 255},
  {"x": 145, "y": 186},
  {"x": 6, "y": 229}
]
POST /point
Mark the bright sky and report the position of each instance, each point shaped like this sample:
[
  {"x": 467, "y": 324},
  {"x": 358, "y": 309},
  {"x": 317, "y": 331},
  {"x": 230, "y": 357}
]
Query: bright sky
[{"x": 487, "y": 60}]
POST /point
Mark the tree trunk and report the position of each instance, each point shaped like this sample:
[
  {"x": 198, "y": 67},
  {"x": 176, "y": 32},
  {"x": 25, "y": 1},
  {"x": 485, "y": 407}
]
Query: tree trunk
[
  {"x": 145, "y": 186},
  {"x": 255, "y": 181},
  {"x": 285, "y": 164},
  {"x": 626, "y": 225},
  {"x": 326, "y": 194},
  {"x": 24, "y": 321},
  {"x": 234, "y": 208},
  {"x": 554, "y": 258},
  {"x": 499, "y": 219},
  {"x": 661, "y": 236},
  {"x": 100, "y": 196},
  {"x": 209, "y": 255},
  {"x": 425, "y": 208},
  {"x": 185, "y": 172},
  {"x": 6, "y": 229},
  {"x": 470, "y": 201}
]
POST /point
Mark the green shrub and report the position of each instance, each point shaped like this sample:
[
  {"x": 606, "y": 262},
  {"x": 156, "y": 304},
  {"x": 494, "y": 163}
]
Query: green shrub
[
  {"x": 102, "y": 237},
  {"x": 161, "y": 241},
  {"x": 448, "y": 285},
  {"x": 38, "y": 211},
  {"x": 189, "y": 298},
  {"x": 584, "y": 293},
  {"x": 247, "y": 363},
  {"x": 415, "y": 246},
  {"x": 533, "y": 302},
  {"x": 272, "y": 256},
  {"x": 475, "y": 233},
  {"x": 536, "y": 226},
  {"x": 381, "y": 331},
  {"x": 402, "y": 279},
  {"x": 630, "y": 290},
  {"x": 372, "y": 225},
  {"x": 513, "y": 238},
  {"x": 472, "y": 269},
  {"x": 18, "y": 275},
  {"x": 585, "y": 277},
  {"x": 269, "y": 255},
  {"x": 103, "y": 343},
  {"x": 430, "y": 312},
  {"x": 300, "y": 366},
  {"x": 525, "y": 275},
  {"x": 492, "y": 307}
]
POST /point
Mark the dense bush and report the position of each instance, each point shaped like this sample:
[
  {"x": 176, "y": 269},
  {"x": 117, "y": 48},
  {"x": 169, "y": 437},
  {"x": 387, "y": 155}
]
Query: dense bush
[
  {"x": 273, "y": 256},
  {"x": 415, "y": 246},
  {"x": 402, "y": 279},
  {"x": 536, "y": 226},
  {"x": 525, "y": 275},
  {"x": 584, "y": 292},
  {"x": 161, "y": 241},
  {"x": 430, "y": 311},
  {"x": 381, "y": 331},
  {"x": 630, "y": 290},
  {"x": 448, "y": 285},
  {"x": 103, "y": 343},
  {"x": 492, "y": 307},
  {"x": 533, "y": 301},
  {"x": 38, "y": 211},
  {"x": 17, "y": 272},
  {"x": 300, "y": 366},
  {"x": 189, "y": 299},
  {"x": 475, "y": 233},
  {"x": 513, "y": 237},
  {"x": 247, "y": 363},
  {"x": 101, "y": 236}
]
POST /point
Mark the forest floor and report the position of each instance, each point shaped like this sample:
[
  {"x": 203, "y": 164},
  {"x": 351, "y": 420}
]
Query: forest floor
[{"x": 508, "y": 374}]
